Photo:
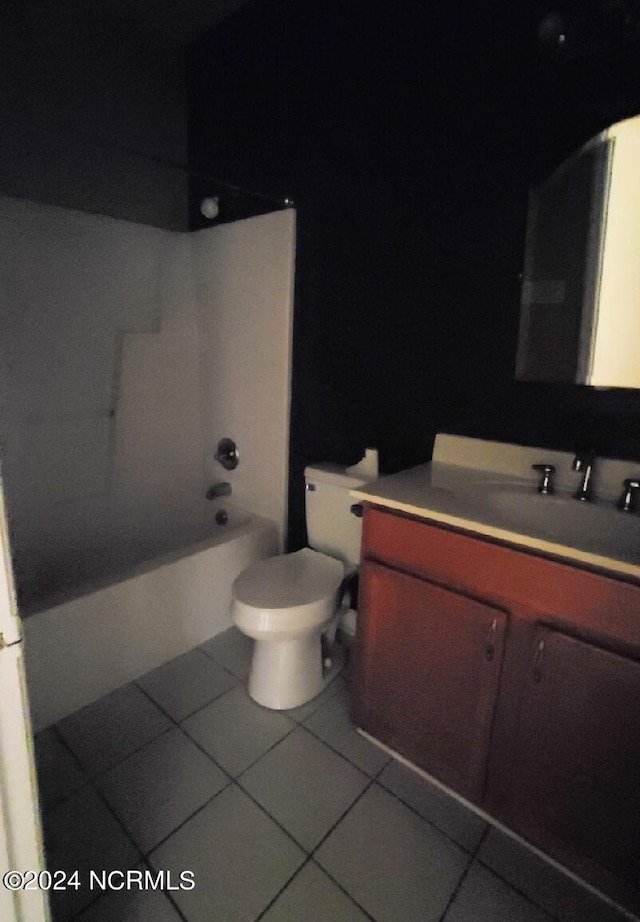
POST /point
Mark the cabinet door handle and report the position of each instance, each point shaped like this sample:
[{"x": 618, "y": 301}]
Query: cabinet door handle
[
  {"x": 537, "y": 662},
  {"x": 490, "y": 647}
]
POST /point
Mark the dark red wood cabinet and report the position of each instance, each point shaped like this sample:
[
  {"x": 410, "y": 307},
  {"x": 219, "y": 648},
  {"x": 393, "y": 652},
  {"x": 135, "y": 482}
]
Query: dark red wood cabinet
[
  {"x": 436, "y": 709},
  {"x": 577, "y": 768},
  {"x": 514, "y": 680}
]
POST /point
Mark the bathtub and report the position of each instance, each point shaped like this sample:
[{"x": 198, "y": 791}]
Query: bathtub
[{"x": 101, "y": 618}]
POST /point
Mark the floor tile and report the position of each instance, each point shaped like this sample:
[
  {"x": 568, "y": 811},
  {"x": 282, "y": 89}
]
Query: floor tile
[
  {"x": 542, "y": 882},
  {"x": 483, "y": 897},
  {"x": 231, "y": 649},
  {"x": 186, "y": 683},
  {"x": 82, "y": 834},
  {"x": 313, "y": 897},
  {"x": 132, "y": 904},
  {"x": 301, "y": 713},
  {"x": 304, "y": 785},
  {"x": 461, "y": 824},
  {"x": 240, "y": 858},
  {"x": 236, "y": 731},
  {"x": 393, "y": 863},
  {"x": 59, "y": 774},
  {"x": 331, "y": 723},
  {"x": 103, "y": 733},
  {"x": 157, "y": 788}
]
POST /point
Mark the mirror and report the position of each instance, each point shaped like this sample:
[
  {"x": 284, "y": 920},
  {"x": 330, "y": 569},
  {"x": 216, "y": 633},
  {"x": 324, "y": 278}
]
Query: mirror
[{"x": 580, "y": 305}]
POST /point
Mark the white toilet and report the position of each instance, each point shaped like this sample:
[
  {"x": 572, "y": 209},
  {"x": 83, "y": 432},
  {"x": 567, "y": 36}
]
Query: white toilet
[{"x": 287, "y": 603}]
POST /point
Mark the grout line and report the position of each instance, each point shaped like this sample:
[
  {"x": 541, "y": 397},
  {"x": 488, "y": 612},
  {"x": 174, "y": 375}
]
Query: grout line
[
  {"x": 282, "y": 889},
  {"x": 430, "y": 822},
  {"x": 201, "y": 748},
  {"x": 174, "y": 720},
  {"x": 125, "y": 832},
  {"x": 326, "y": 836},
  {"x": 266, "y": 752},
  {"x": 296, "y": 723},
  {"x": 63, "y": 800},
  {"x": 456, "y": 889},
  {"x": 144, "y": 854},
  {"x": 339, "y": 753},
  {"x": 325, "y": 700},
  {"x": 147, "y": 854},
  {"x": 484, "y": 835},
  {"x": 371, "y": 782},
  {"x": 230, "y": 779},
  {"x": 272, "y": 818},
  {"x": 309, "y": 860},
  {"x": 561, "y": 873},
  {"x": 472, "y": 858},
  {"x": 200, "y": 707},
  {"x": 168, "y": 894},
  {"x": 526, "y": 896},
  {"x": 213, "y": 659}
]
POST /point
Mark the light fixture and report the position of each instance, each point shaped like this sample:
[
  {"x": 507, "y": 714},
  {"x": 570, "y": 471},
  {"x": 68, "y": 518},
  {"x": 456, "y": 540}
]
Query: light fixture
[{"x": 210, "y": 207}]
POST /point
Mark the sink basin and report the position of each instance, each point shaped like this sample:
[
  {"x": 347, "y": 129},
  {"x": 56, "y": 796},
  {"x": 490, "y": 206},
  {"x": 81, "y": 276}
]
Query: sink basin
[
  {"x": 489, "y": 489},
  {"x": 595, "y": 527}
]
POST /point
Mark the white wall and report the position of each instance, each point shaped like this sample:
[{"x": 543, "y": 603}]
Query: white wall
[
  {"x": 71, "y": 285},
  {"x": 160, "y": 449},
  {"x": 244, "y": 283},
  {"x": 126, "y": 352}
]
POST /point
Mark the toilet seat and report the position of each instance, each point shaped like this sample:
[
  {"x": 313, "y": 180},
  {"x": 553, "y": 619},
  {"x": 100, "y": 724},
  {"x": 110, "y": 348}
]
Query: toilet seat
[
  {"x": 287, "y": 596},
  {"x": 289, "y": 580}
]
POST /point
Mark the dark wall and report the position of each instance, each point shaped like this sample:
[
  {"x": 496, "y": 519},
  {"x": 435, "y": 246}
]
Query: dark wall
[
  {"x": 408, "y": 137},
  {"x": 92, "y": 114}
]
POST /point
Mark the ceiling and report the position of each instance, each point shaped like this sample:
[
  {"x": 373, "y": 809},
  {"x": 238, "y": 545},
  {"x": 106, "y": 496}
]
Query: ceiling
[{"x": 166, "y": 25}]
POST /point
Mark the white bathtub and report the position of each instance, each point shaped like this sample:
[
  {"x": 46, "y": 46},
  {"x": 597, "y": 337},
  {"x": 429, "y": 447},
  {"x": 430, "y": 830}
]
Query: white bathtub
[{"x": 112, "y": 616}]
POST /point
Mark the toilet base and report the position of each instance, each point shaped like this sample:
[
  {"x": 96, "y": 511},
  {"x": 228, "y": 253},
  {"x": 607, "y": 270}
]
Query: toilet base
[{"x": 287, "y": 673}]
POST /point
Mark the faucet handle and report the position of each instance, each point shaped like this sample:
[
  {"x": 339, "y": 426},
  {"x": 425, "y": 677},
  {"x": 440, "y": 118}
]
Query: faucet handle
[
  {"x": 582, "y": 460},
  {"x": 627, "y": 501},
  {"x": 546, "y": 477}
]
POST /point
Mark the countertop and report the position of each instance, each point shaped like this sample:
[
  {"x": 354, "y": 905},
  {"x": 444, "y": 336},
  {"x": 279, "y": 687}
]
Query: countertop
[{"x": 592, "y": 535}]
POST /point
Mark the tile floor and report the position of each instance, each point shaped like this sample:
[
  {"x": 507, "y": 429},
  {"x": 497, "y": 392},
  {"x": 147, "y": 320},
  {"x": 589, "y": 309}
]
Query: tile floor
[{"x": 281, "y": 816}]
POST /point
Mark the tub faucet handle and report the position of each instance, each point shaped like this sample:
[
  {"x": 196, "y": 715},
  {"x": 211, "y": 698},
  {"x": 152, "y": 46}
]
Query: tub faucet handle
[
  {"x": 546, "y": 477},
  {"x": 227, "y": 454}
]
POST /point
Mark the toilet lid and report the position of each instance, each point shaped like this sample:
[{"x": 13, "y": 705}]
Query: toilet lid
[{"x": 291, "y": 579}]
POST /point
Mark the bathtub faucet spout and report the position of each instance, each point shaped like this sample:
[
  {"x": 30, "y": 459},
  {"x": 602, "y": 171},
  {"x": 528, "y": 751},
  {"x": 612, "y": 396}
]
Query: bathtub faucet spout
[{"x": 223, "y": 488}]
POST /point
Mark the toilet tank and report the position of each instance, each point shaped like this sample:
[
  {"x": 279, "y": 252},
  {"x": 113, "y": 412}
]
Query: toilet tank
[{"x": 331, "y": 527}]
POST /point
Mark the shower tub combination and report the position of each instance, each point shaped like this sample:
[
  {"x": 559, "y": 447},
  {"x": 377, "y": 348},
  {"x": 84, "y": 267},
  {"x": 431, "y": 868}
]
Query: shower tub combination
[{"x": 106, "y": 617}]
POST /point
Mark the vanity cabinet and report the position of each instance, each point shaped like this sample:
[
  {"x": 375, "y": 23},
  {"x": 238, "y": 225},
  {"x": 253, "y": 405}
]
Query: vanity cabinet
[
  {"x": 514, "y": 680},
  {"x": 437, "y": 709},
  {"x": 577, "y": 766}
]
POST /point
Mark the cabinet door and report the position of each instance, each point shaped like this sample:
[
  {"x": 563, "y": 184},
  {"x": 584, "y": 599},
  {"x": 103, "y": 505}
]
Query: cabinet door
[
  {"x": 576, "y": 788},
  {"x": 427, "y": 674}
]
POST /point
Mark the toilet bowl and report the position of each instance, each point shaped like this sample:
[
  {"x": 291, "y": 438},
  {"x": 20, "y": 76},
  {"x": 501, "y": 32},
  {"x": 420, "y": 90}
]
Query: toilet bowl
[{"x": 287, "y": 604}]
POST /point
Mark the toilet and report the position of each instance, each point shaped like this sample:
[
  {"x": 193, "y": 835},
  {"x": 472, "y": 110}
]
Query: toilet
[{"x": 287, "y": 604}]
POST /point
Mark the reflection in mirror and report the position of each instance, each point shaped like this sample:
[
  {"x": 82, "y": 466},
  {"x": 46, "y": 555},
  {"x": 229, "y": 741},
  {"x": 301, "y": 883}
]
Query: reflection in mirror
[{"x": 580, "y": 307}]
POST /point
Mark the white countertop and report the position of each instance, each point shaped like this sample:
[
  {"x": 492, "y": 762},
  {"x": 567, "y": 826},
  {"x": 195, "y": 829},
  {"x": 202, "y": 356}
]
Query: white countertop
[{"x": 505, "y": 505}]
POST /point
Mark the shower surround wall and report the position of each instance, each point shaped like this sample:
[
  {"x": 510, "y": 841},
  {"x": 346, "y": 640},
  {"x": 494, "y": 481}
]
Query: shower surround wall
[
  {"x": 127, "y": 353},
  {"x": 246, "y": 269}
]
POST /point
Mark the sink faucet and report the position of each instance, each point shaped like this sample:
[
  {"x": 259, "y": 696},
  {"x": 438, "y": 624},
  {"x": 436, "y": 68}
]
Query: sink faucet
[{"x": 584, "y": 463}]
